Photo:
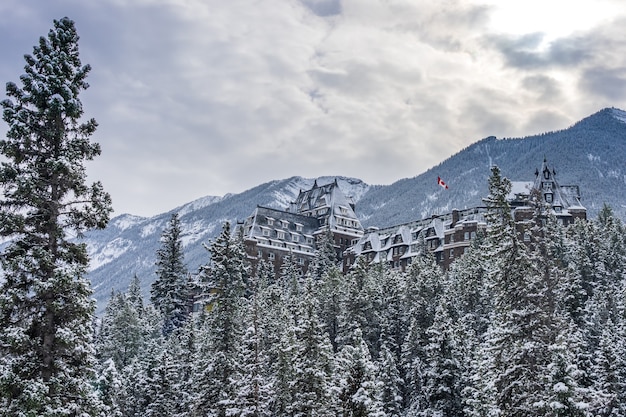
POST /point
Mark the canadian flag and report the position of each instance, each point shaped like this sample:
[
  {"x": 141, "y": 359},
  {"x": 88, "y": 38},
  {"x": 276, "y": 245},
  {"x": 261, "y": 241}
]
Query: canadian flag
[{"x": 440, "y": 182}]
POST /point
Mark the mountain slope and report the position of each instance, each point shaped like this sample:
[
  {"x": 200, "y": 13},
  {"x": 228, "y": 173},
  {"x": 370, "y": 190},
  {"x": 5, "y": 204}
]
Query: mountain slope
[
  {"x": 129, "y": 244},
  {"x": 591, "y": 154}
]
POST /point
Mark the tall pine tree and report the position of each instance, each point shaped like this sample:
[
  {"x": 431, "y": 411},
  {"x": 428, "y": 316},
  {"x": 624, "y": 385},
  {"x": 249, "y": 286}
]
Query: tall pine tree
[
  {"x": 170, "y": 292},
  {"x": 46, "y": 310}
]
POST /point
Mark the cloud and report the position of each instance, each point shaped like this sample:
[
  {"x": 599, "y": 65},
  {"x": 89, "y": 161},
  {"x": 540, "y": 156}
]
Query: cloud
[
  {"x": 609, "y": 83},
  {"x": 324, "y": 8},
  {"x": 208, "y": 96}
]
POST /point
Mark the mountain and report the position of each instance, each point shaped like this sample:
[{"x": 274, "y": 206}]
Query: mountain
[
  {"x": 129, "y": 243},
  {"x": 591, "y": 154}
]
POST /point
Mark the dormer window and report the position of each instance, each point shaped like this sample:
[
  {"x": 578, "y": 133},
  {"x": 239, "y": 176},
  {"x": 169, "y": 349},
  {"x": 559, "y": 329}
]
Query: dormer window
[
  {"x": 280, "y": 234},
  {"x": 270, "y": 221},
  {"x": 298, "y": 227},
  {"x": 548, "y": 197},
  {"x": 284, "y": 223},
  {"x": 546, "y": 173}
]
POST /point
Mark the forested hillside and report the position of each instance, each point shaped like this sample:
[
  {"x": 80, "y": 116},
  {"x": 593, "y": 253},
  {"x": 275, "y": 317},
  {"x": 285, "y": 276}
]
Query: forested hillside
[
  {"x": 591, "y": 154},
  {"x": 533, "y": 328}
]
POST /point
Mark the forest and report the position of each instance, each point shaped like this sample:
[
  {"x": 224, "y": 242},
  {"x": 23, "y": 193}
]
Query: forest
[{"x": 513, "y": 328}]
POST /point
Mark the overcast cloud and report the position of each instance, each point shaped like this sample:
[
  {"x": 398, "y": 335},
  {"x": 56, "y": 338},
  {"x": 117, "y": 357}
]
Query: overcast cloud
[{"x": 206, "y": 97}]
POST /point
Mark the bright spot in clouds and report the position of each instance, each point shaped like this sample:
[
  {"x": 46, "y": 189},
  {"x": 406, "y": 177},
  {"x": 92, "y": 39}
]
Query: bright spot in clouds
[{"x": 553, "y": 18}]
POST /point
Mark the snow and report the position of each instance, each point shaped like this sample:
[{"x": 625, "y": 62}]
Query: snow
[
  {"x": 109, "y": 252},
  {"x": 150, "y": 229},
  {"x": 126, "y": 221},
  {"x": 619, "y": 115},
  {"x": 199, "y": 204}
]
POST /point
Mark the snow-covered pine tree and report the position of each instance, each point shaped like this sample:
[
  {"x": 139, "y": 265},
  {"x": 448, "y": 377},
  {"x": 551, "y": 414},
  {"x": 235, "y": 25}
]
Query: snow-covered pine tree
[
  {"x": 121, "y": 332},
  {"x": 108, "y": 387},
  {"x": 331, "y": 297},
  {"x": 393, "y": 325},
  {"x": 391, "y": 382},
  {"x": 356, "y": 378},
  {"x": 423, "y": 290},
  {"x": 255, "y": 384},
  {"x": 217, "y": 358},
  {"x": 313, "y": 362},
  {"x": 442, "y": 374},
  {"x": 170, "y": 291},
  {"x": 362, "y": 307},
  {"x": 523, "y": 325},
  {"x": 325, "y": 256},
  {"x": 46, "y": 310}
]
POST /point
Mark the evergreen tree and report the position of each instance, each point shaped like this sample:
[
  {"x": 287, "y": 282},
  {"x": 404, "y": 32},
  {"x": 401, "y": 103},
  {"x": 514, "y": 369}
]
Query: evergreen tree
[
  {"x": 361, "y": 308},
  {"x": 393, "y": 320},
  {"x": 108, "y": 386},
  {"x": 523, "y": 325},
  {"x": 170, "y": 291},
  {"x": 46, "y": 310},
  {"x": 255, "y": 390},
  {"x": 217, "y": 364},
  {"x": 359, "y": 389},
  {"x": 391, "y": 383},
  {"x": 442, "y": 371},
  {"x": 122, "y": 331},
  {"x": 313, "y": 362},
  {"x": 331, "y": 298},
  {"x": 325, "y": 256},
  {"x": 423, "y": 290}
]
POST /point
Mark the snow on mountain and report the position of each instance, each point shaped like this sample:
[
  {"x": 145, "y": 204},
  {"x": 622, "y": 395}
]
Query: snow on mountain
[
  {"x": 591, "y": 154},
  {"x": 125, "y": 221},
  {"x": 619, "y": 115},
  {"x": 129, "y": 244}
]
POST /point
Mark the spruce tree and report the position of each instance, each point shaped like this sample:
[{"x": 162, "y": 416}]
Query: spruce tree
[
  {"x": 313, "y": 362},
  {"x": 46, "y": 310},
  {"x": 360, "y": 392},
  {"x": 170, "y": 291},
  {"x": 217, "y": 365}
]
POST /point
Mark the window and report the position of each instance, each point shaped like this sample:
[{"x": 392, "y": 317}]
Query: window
[
  {"x": 526, "y": 237},
  {"x": 284, "y": 223},
  {"x": 451, "y": 253},
  {"x": 300, "y": 261},
  {"x": 473, "y": 235},
  {"x": 270, "y": 221},
  {"x": 467, "y": 236},
  {"x": 548, "y": 197},
  {"x": 270, "y": 256},
  {"x": 266, "y": 232},
  {"x": 451, "y": 238},
  {"x": 298, "y": 227},
  {"x": 295, "y": 238},
  {"x": 280, "y": 234}
]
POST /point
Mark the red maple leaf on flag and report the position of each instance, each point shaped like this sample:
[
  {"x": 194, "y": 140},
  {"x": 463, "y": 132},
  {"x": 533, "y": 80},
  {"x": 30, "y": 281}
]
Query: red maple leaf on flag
[{"x": 440, "y": 182}]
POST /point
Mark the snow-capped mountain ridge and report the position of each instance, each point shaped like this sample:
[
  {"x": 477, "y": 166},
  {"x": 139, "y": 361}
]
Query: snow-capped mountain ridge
[{"x": 591, "y": 153}]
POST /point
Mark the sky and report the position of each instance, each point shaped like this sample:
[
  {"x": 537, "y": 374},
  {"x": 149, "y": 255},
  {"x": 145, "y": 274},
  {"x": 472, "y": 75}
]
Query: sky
[{"x": 208, "y": 97}]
